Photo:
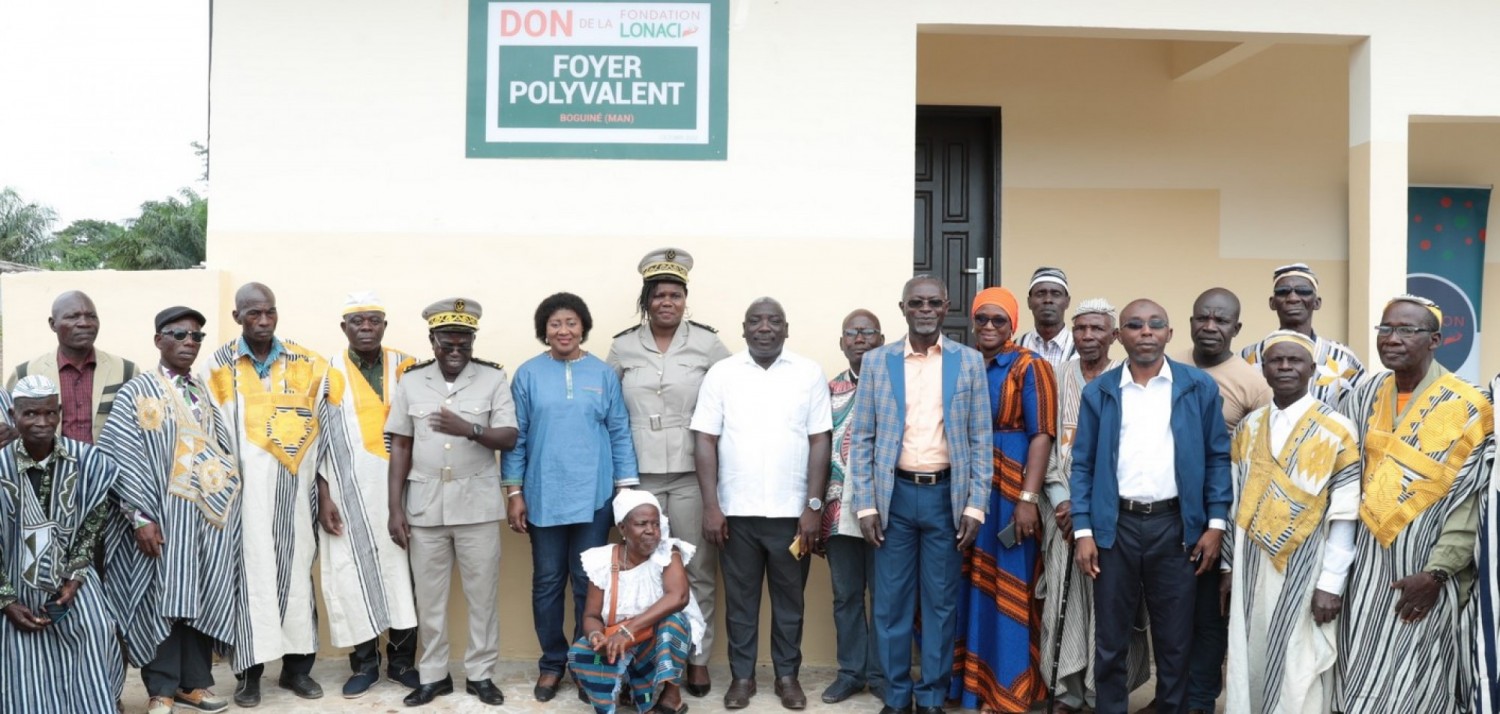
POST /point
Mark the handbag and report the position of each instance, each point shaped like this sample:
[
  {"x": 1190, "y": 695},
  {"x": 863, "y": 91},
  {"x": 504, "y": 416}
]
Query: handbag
[{"x": 643, "y": 635}]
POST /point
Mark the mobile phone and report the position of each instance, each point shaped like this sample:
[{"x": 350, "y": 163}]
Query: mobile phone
[
  {"x": 54, "y": 611},
  {"x": 1008, "y": 535}
]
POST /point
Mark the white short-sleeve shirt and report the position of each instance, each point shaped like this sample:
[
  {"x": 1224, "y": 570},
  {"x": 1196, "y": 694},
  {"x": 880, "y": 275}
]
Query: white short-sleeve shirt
[{"x": 763, "y": 418}]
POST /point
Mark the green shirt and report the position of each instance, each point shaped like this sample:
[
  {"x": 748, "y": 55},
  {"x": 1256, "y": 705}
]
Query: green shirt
[{"x": 374, "y": 372}]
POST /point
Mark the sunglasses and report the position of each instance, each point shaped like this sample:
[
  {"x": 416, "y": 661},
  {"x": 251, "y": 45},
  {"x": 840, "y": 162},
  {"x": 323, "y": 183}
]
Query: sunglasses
[
  {"x": 934, "y": 303},
  {"x": 182, "y": 335},
  {"x": 1154, "y": 323},
  {"x": 1301, "y": 292},
  {"x": 997, "y": 321}
]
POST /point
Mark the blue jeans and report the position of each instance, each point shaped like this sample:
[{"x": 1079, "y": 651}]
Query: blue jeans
[
  {"x": 555, "y": 552},
  {"x": 918, "y": 562}
]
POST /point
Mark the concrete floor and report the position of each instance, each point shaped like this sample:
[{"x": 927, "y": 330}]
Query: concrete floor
[{"x": 515, "y": 679}]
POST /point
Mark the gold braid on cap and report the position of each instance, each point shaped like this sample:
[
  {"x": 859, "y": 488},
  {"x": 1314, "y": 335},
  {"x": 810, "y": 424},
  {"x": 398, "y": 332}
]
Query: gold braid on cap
[
  {"x": 665, "y": 267},
  {"x": 452, "y": 319}
]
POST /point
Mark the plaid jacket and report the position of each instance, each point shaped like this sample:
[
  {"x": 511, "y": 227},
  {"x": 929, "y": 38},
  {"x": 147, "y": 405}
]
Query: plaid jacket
[{"x": 879, "y": 420}]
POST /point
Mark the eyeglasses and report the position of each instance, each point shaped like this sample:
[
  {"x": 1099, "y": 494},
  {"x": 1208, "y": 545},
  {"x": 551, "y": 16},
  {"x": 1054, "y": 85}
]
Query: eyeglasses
[
  {"x": 934, "y": 303},
  {"x": 854, "y": 332},
  {"x": 1402, "y": 331},
  {"x": 460, "y": 348},
  {"x": 1155, "y": 323},
  {"x": 997, "y": 321},
  {"x": 1282, "y": 292},
  {"x": 182, "y": 335}
]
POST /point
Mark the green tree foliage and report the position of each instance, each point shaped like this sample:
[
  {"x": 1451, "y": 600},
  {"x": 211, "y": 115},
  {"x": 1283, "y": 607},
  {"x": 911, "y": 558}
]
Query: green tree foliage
[
  {"x": 168, "y": 235},
  {"x": 25, "y": 229}
]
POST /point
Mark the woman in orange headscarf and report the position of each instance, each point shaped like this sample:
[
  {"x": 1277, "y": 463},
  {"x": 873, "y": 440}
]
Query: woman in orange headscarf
[{"x": 998, "y": 619}]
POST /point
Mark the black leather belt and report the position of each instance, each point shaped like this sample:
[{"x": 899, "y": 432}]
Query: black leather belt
[
  {"x": 924, "y": 478},
  {"x": 1148, "y": 507}
]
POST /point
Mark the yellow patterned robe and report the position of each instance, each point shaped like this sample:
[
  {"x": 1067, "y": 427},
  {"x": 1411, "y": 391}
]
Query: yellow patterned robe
[
  {"x": 1424, "y": 475},
  {"x": 277, "y": 426},
  {"x": 1287, "y": 498}
]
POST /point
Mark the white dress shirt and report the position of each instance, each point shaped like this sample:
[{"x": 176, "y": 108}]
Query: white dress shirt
[
  {"x": 1338, "y": 553},
  {"x": 763, "y": 418}
]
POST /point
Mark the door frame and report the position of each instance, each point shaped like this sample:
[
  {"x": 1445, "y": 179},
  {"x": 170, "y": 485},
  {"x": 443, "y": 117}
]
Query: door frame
[{"x": 991, "y": 274}]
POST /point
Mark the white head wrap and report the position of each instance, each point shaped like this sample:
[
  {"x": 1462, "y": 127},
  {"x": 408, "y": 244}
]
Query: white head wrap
[
  {"x": 633, "y": 498},
  {"x": 1096, "y": 306},
  {"x": 364, "y": 301},
  {"x": 33, "y": 386}
]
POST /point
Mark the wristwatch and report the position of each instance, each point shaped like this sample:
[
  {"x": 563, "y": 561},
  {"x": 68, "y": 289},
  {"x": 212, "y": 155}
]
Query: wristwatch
[
  {"x": 1440, "y": 575},
  {"x": 1029, "y": 497},
  {"x": 814, "y": 504},
  {"x": 478, "y": 432}
]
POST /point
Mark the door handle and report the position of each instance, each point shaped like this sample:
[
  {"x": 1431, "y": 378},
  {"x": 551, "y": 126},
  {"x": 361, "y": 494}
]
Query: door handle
[{"x": 978, "y": 269}]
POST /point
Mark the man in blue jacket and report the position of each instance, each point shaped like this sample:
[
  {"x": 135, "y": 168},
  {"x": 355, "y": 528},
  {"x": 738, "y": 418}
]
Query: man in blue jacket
[{"x": 1151, "y": 497}]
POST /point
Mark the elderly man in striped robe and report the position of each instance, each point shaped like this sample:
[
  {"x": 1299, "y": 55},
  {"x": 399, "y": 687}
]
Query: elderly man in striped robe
[
  {"x": 274, "y": 397},
  {"x": 1296, "y": 476},
  {"x": 1427, "y": 437},
  {"x": 58, "y": 651},
  {"x": 174, "y": 550},
  {"x": 367, "y": 588}
]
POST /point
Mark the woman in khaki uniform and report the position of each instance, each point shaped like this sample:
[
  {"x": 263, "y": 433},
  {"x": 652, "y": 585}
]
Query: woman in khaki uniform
[{"x": 661, "y": 363}]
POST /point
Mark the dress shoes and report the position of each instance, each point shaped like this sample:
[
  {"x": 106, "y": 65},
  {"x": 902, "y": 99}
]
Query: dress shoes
[
  {"x": 544, "y": 692},
  {"x": 199, "y": 700},
  {"x": 738, "y": 696},
  {"x": 888, "y": 709},
  {"x": 697, "y": 683},
  {"x": 425, "y": 693},
  {"x": 790, "y": 691},
  {"x": 247, "y": 692},
  {"x": 486, "y": 691},
  {"x": 841, "y": 689},
  {"x": 929, "y": 710},
  {"x": 300, "y": 685}
]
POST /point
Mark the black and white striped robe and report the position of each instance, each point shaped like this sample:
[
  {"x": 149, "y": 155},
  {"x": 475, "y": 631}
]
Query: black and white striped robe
[
  {"x": 1484, "y": 607},
  {"x": 1420, "y": 467},
  {"x": 72, "y": 665},
  {"x": 178, "y": 469},
  {"x": 276, "y": 426}
]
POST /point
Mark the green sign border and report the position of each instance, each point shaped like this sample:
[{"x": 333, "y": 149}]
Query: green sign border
[{"x": 718, "y": 101}]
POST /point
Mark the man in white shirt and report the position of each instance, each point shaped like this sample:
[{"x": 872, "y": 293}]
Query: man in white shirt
[
  {"x": 1296, "y": 469},
  {"x": 1048, "y": 299},
  {"x": 762, "y": 451},
  {"x": 1151, "y": 496}
]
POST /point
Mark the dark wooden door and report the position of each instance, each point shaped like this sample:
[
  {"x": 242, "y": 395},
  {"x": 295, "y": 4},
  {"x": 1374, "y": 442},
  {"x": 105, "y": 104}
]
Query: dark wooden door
[{"x": 956, "y": 216}]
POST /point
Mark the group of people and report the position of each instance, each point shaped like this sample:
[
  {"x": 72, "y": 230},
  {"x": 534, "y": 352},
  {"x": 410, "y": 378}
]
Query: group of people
[{"x": 1041, "y": 520}]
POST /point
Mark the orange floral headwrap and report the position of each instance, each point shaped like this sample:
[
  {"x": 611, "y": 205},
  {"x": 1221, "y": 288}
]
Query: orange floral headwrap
[{"x": 1001, "y": 298}]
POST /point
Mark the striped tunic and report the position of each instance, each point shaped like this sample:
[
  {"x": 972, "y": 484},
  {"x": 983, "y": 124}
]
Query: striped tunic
[
  {"x": 1337, "y": 369},
  {"x": 1420, "y": 466},
  {"x": 277, "y": 426},
  {"x": 1280, "y": 660},
  {"x": 1077, "y": 653},
  {"x": 177, "y": 468},
  {"x": 1483, "y": 613},
  {"x": 73, "y": 665},
  {"x": 366, "y": 580}
]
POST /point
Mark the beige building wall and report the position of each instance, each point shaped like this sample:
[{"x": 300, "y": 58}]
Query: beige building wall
[{"x": 338, "y": 165}]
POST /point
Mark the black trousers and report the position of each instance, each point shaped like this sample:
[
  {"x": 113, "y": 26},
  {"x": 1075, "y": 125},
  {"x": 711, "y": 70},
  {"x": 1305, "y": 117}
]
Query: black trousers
[
  {"x": 1210, "y": 644},
  {"x": 290, "y": 664},
  {"x": 400, "y": 652},
  {"x": 757, "y": 552},
  {"x": 1147, "y": 560},
  {"x": 183, "y": 661}
]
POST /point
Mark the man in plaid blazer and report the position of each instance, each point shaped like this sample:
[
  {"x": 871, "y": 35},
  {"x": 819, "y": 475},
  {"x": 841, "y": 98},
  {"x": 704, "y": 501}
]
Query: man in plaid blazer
[{"x": 921, "y": 464}]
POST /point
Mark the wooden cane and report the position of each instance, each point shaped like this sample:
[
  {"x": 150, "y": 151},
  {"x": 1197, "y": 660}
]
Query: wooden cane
[{"x": 1057, "y": 628}]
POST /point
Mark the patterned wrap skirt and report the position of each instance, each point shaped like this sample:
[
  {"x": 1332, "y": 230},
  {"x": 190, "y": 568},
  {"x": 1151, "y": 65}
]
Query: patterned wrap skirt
[{"x": 644, "y": 668}]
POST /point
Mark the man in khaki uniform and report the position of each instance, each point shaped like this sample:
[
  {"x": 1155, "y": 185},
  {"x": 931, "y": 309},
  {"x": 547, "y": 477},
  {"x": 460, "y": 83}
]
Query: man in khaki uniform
[
  {"x": 449, "y": 416},
  {"x": 661, "y": 363}
]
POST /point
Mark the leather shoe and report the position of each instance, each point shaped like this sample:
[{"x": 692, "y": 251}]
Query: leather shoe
[
  {"x": 888, "y": 709},
  {"x": 486, "y": 691},
  {"x": 301, "y": 685},
  {"x": 361, "y": 683},
  {"x": 840, "y": 690},
  {"x": 697, "y": 688},
  {"x": 738, "y": 696},
  {"x": 247, "y": 692},
  {"x": 790, "y": 691},
  {"x": 406, "y": 676},
  {"x": 424, "y": 694},
  {"x": 544, "y": 692},
  {"x": 929, "y": 710}
]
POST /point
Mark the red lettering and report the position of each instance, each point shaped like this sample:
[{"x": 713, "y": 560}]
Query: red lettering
[{"x": 536, "y": 23}]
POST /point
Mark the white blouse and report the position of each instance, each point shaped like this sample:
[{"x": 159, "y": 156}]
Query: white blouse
[{"x": 640, "y": 587}]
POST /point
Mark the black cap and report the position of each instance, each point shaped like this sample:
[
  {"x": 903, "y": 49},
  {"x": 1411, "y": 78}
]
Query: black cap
[{"x": 177, "y": 312}]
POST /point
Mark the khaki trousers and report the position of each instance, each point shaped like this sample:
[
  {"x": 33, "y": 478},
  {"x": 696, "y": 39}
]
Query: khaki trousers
[
  {"x": 683, "y": 502},
  {"x": 476, "y": 549}
]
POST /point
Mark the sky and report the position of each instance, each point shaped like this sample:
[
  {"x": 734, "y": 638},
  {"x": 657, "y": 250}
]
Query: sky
[{"x": 101, "y": 102}]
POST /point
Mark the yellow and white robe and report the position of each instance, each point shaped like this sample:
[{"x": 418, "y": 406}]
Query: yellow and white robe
[
  {"x": 1297, "y": 495},
  {"x": 366, "y": 578},
  {"x": 1425, "y": 473},
  {"x": 277, "y": 425},
  {"x": 1337, "y": 371}
]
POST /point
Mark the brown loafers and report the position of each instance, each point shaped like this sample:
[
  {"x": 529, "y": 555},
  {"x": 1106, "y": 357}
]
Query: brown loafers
[
  {"x": 738, "y": 696},
  {"x": 790, "y": 691}
]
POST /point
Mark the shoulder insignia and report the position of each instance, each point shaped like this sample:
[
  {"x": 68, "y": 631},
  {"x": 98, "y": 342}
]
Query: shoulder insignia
[
  {"x": 417, "y": 365},
  {"x": 487, "y": 363},
  {"x": 627, "y": 331},
  {"x": 706, "y": 327}
]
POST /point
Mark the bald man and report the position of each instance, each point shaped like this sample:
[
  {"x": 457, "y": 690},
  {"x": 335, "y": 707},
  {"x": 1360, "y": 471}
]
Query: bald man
[
  {"x": 87, "y": 378},
  {"x": 851, "y": 559},
  {"x": 1151, "y": 494}
]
